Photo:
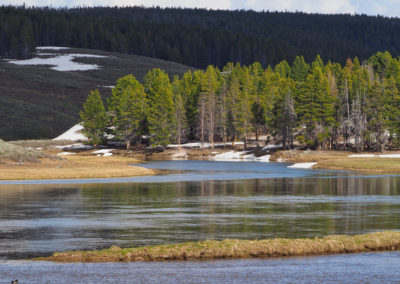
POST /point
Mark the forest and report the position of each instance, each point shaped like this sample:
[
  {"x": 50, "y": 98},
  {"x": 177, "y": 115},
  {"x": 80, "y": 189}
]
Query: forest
[
  {"x": 198, "y": 37},
  {"x": 355, "y": 106}
]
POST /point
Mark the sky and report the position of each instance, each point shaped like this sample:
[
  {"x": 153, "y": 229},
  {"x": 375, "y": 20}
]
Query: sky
[{"x": 390, "y": 8}]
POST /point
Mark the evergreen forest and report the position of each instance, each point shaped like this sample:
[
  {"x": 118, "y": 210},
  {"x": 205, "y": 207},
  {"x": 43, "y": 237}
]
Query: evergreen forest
[
  {"x": 319, "y": 105},
  {"x": 198, "y": 37}
]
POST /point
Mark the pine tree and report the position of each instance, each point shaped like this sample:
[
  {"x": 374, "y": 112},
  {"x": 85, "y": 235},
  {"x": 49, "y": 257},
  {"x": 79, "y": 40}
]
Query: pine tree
[
  {"x": 300, "y": 69},
  {"x": 179, "y": 111},
  {"x": 315, "y": 108},
  {"x": 94, "y": 118},
  {"x": 391, "y": 100},
  {"x": 208, "y": 98},
  {"x": 128, "y": 105},
  {"x": 161, "y": 107}
]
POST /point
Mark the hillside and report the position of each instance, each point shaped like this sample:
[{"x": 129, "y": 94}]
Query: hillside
[
  {"x": 37, "y": 101},
  {"x": 198, "y": 37}
]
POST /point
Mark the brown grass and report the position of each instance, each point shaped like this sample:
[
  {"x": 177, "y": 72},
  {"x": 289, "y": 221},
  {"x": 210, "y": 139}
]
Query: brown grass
[
  {"x": 380, "y": 241},
  {"x": 338, "y": 160},
  {"x": 73, "y": 167}
]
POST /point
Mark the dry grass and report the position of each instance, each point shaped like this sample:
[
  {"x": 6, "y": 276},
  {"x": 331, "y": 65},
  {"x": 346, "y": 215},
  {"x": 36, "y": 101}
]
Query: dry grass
[
  {"x": 41, "y": 143},
  {"x": 380, "y": 241},
  {"x": 19, "y": 154},
  {"x": 337, "y": 160},
  {"x": 73, "y": 167}
]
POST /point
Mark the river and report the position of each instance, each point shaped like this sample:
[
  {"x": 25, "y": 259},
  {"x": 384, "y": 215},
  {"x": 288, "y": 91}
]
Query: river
[{"x": 198, "y": 200}]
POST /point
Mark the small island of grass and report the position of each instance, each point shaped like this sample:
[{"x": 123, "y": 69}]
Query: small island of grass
[{"x": 226, "y": 249}]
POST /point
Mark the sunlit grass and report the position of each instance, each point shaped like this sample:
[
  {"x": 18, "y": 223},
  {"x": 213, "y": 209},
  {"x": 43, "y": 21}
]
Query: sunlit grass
[
  {"x": 73, "y": 167},
  {"x": 209, "y": 249}
]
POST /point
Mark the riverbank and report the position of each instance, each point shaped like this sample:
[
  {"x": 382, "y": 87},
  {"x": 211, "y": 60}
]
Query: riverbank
[
  {"x": 228, "y": 249},
  {"x": 73, "y": 167},
  {"x": 388, "y": 162}
]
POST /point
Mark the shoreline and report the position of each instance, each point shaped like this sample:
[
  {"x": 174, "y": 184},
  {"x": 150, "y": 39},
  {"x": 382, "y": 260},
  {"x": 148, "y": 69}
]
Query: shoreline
[
  {"x": 73, "y": 167},
  {"x": 102, "y": 164},
  {"x": 367, "y": 163},
  {"x": 236, "y": 249}
]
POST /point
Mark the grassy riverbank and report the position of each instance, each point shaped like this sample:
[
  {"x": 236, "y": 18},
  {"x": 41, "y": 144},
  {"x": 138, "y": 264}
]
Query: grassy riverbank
[
  {"x": 73, "y": 167},
  {"x": 380, "y": 241},
  {"x": 339, "y": 160}
]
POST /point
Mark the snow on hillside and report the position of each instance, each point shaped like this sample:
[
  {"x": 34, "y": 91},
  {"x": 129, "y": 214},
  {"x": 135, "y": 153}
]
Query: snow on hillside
[
  {"x": 60, "y": 62},
  {"x": 51, "y": 48},
  {"x": 73, "y": 134}
]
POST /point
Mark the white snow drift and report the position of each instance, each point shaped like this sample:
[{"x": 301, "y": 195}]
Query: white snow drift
[
  {"x": 240, "y": 156},
  {"x": 40, "y": 48},
  {"x": 73, "y": 134},
  {"x": 60, "y": 62},
  {"x": 374, "y": 156},
  {"x": 302, "y": 166},
  {"x": 198, "y": 145}
]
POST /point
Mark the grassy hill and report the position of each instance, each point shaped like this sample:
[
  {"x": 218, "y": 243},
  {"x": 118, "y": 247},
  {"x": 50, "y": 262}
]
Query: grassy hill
[{"x": 39, "y": 102}]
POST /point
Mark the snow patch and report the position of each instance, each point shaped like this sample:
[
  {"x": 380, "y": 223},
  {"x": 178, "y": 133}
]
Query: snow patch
[
  {"x": 103, "y": 151},
  {"x": 302, "y": 165},
  {"x": 390, "y": 156},
  {"x": 73, "y": 134},
  {"x": 198, "y": 145},
  {"x": 77, "y": 146},
  {"x": 60, "y": 62},
  {"x": 397, "y": 156},
  {"x": 263, "y": 158},
  {"x": 51, "y": 48},
  {"x": 361, "y": 156},
  {"x": 228, "y": 156},
  {"x": 240, "y": 156},
  {"x": 272, "y": 146},
  {"x": 65, "y": 153}
]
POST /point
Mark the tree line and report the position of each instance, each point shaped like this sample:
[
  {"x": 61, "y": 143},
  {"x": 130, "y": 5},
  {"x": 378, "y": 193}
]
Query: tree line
[
  {"x": 198, "y": 37},
  {"x": 319, "y": 105}
]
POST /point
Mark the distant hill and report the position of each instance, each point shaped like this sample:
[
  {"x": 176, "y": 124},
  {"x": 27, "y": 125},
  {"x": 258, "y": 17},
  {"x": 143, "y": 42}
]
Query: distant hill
[
  {"x": 198, "y": 37},
  {"x": 37, "y": 101}
]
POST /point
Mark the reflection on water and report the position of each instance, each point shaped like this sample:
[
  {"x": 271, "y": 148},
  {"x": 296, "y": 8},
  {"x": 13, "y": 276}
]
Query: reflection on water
[
  {"x": 39, "y": 219},
  {"x": 353, "y": 268}
]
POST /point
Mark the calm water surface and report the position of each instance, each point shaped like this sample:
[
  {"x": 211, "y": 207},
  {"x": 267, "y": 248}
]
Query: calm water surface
[{"x": 200, "y": 200}]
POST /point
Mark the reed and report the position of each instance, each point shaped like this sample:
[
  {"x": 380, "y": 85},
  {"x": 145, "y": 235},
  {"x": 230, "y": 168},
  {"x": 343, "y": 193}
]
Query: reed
[{"x": 209, "y": 249}]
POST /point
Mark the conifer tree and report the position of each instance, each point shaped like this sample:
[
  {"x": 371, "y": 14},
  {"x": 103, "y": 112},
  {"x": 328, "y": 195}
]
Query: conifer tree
[
  {"x": 179, "y": 111},
  {"x": 300, "y": 69},
  {"x": 208, "y": 97},
  {"x": 315, "y": 108},
  {"x": 94, "y": 118},
  {"x": 128, "y": 107},
  {"x": 161, "y": 107}
]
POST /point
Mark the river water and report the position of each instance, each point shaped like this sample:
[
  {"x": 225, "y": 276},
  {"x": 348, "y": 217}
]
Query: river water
[{"x": 198, "y": 200}]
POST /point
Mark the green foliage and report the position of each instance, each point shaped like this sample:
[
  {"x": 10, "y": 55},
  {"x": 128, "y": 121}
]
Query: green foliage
[
  {"x": 179, "y": 111},
  {"x": 94, "y": 118},
  {"x": 128, "y": 108},
  {"x": 161, "y": 106},
  {"x": 315, "y": 107},
  {"x": 325, "y": 106}
]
